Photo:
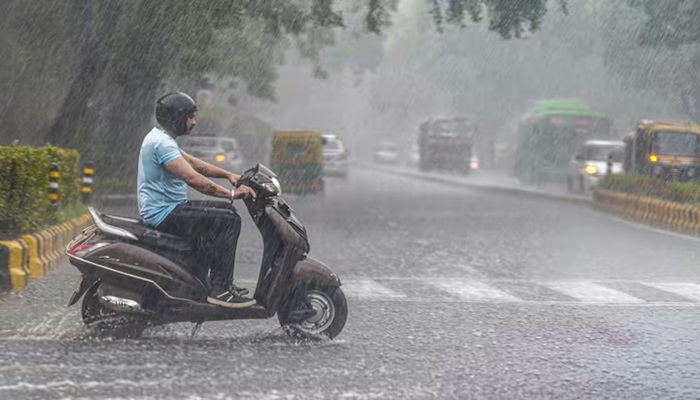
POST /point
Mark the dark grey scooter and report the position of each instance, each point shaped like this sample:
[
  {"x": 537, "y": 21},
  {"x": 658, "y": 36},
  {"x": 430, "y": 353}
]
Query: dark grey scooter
[{"x": 134, "y": 277}]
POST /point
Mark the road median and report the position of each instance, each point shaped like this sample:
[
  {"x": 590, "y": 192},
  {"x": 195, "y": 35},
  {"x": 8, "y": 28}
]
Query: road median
[
  {"x": 670, "y": 215},
  {"x": 33, "y": 256}
]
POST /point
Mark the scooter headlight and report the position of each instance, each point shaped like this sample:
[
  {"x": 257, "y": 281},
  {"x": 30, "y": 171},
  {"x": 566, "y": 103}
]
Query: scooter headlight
[
  {"x": 276, "y": 182},
  {"x": 273, "y": 186}
]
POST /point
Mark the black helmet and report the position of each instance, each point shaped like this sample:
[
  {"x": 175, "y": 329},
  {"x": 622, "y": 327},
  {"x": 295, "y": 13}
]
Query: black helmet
[{"x": 172, "y": 111}]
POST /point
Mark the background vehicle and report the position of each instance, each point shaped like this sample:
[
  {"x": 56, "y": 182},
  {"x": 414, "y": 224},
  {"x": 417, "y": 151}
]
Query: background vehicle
[
  {"x": 665, "y": 149},
  {"x": 335, "y": 157},
  {"x": 297, "y": 157},
  {"x": 386, "y": 152},
  {"x": 220, "y": 151},
  {"x": 446, "y": 144},
  {"x": 549, "y": 135},
  {"x": 591, "y": 163},
  {"x": 233, "y": 153},
  {"x": 474, "y": 162},
  {"x": 413, "y": 156}
]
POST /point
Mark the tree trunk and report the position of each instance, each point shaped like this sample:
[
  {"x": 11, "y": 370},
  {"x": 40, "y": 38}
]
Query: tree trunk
[{"x": 73, "y": 125}]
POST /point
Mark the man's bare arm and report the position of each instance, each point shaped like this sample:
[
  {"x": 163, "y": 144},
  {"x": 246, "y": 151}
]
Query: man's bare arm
[
  {"x": 204, "y": 168},
  {"x": 183, "y": 170}
]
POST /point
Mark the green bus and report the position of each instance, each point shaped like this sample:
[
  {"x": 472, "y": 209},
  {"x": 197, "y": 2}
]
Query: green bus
[{"x": 549, "y": 135}]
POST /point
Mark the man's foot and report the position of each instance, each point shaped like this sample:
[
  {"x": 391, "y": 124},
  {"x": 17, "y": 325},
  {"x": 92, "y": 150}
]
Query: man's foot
[
  {"x": 231, "y": 299},
  {"x": 239, "y": 291}
]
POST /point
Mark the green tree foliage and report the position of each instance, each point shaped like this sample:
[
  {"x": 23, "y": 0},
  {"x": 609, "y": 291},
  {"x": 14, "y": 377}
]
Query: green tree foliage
[
  {"x": 654, "y": 45},
  {"x": 84, "y": 74},
  {"x": 671, "y": 23}
]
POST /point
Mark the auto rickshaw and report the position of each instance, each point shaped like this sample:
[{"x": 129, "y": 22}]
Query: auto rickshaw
[
  {"x": 667, "y": 150},
  {"x": 297, "y": 159}
]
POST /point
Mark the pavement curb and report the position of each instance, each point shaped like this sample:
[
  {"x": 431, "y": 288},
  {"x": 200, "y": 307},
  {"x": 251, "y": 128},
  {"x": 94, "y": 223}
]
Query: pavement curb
[
  {"x": 34, "y": 256},
  {"x": 472, "y": 185}
]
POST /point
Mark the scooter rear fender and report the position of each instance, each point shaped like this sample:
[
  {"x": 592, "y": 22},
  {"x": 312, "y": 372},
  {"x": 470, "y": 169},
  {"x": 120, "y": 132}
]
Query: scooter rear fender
[{"x": 86, "y": 282}]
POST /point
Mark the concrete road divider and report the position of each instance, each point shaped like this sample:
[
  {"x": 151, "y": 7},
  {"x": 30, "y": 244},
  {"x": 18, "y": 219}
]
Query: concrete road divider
[
  {"x": 680, "y": 217},
  {"x": 34, "y": 256}
]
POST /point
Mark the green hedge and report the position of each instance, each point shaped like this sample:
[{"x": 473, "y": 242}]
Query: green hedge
[
  {"x": 24, "y": 181},
  {"x": 646, "y": 186}
]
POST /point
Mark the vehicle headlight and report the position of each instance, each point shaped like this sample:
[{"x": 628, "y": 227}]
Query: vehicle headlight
[
  {"x": 273, "y": 186},
  {"x": 219, "y": 157},
  {"x": 277, "y": 185},
  {"x": 591, "y": 170}
]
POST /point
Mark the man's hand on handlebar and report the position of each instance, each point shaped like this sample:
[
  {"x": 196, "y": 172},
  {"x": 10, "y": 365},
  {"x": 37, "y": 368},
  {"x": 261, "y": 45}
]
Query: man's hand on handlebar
[
  {"x": 233, "y": 178},
  {"x": 243, "y": 192}
]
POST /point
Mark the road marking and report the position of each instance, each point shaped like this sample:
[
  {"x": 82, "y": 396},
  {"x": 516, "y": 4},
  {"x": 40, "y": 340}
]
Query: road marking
[
  {"x": 582, "y": 293},
  {"x": 369, "y": 289},
  {"x": 690, "y": 291},
  {"x": 473, "y": 290},
  {"x": 589, "y": 292}
]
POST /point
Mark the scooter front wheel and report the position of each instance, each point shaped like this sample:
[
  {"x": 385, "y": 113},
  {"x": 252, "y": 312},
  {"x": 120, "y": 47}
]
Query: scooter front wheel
[{"x": 330, "y": 313}]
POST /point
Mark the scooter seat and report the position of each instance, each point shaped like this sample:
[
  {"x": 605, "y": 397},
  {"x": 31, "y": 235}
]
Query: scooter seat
[{"x": 148, "y": 236}]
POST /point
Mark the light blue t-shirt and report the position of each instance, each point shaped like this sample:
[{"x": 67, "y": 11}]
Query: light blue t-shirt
[{"x": 159, "y": 190}]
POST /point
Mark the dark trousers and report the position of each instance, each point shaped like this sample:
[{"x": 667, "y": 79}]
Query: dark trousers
[{"x": 212, "y": 228}]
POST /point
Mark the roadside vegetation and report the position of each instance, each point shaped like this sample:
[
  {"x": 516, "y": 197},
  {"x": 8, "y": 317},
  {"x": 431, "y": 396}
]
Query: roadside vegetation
[
  {"x": 681, "y": 192},
  {"x": 24, "y": 200}
]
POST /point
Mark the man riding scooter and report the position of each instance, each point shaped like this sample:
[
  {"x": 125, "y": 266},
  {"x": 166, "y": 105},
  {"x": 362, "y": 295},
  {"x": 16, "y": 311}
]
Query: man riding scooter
[{"x": 211, "y": 227}]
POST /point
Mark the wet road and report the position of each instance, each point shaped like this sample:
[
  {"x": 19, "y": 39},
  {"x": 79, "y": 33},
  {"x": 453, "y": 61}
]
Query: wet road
[{"x": 453, "y": 293}]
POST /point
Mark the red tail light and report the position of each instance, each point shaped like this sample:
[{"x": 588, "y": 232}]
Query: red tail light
[{"x": 80, "y": 247}]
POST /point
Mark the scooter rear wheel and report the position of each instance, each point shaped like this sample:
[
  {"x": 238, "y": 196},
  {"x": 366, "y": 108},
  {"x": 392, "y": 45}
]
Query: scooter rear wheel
[
  {"x": 331, "y": 314},
  {"x": 105, "y": 322}
]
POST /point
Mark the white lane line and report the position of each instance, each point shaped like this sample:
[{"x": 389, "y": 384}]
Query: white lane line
[
  {"x": 473, "y": 290},
  {"x": 589, "y": 292},
  {"x": 690, "y": 291},
  {"x": 368, "y": 289}
]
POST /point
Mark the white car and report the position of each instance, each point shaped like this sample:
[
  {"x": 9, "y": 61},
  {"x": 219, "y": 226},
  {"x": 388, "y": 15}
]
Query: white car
[
  {"x": 386, "y": 153},
  {"x": 590, "y": 163},
  {"x": 216, "y": 150},
  {"x": 335, "y": 157}
]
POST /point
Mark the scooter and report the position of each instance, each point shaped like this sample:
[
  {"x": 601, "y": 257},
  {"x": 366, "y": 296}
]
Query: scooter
[{"x": 134, "y": 277}]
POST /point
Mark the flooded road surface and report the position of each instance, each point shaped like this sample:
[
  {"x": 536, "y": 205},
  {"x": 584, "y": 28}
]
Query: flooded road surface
[{"x": 453, "y": 293}]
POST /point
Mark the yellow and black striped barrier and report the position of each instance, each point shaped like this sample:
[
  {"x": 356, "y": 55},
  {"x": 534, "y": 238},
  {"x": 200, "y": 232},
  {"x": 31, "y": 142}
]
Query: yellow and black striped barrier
[
  {"x": 86, "y": 186},
  {"x": 653, "y": 211},
  {"x": 34, "y": 256},
  {"x": 54, "y": 175}
]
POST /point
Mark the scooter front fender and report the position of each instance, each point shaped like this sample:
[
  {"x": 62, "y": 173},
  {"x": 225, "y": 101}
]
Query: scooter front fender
[{"x": 311, "y": 272}]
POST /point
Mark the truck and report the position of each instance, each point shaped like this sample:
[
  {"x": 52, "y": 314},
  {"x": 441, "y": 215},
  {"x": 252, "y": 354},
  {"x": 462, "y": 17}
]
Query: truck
[{"x": 446, "y": 144}]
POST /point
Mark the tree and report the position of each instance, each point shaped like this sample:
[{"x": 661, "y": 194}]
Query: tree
[
  {"x": 117, "y": 56},
  {"x": 657, "y": 44}
]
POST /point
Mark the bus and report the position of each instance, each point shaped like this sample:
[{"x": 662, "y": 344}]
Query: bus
[{"x": 549, "y": 135}]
